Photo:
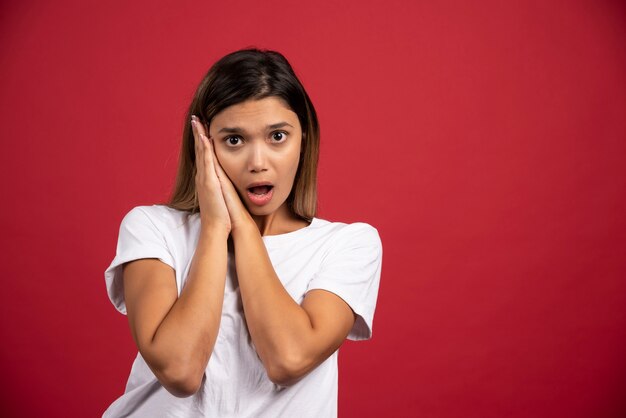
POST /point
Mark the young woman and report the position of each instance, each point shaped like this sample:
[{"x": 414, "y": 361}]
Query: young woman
[{"x": 237, "y": 296}]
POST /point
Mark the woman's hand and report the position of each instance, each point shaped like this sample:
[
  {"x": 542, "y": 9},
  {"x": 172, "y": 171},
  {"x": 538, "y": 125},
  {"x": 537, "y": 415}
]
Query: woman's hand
[
  {"x": 237, "y": 214},
  {"x": 213, "y": 210}
]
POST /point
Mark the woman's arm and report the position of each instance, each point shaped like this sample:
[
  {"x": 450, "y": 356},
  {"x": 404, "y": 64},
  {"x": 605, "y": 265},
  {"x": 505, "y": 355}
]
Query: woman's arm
[
  {"x": 290, "y": 339},
  {"x": 175, "y": 336}
]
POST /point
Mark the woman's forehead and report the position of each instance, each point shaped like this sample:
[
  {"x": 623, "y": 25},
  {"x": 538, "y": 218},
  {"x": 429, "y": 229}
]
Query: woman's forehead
[{"x": 255, "y": 114}]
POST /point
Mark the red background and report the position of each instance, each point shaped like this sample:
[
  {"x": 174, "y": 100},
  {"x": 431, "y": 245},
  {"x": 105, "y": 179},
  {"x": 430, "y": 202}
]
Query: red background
[{"x": 485, "y": 140}]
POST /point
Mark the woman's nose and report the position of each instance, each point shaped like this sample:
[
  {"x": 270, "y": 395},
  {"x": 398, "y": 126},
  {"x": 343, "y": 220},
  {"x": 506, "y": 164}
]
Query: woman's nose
[{"x": 257, "y": 160}]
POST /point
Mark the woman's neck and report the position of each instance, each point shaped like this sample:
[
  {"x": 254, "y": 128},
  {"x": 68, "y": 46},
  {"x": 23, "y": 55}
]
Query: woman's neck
[{"x": 282, "y": 221}]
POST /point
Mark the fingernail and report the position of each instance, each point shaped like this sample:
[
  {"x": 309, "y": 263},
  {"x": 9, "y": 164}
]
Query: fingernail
[{"x": 194, "y": 118}]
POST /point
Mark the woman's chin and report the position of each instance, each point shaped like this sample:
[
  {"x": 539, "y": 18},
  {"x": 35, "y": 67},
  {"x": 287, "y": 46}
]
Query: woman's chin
[
  {"x": 264, "y": 210},
  {"x": 259, "y": 211}
]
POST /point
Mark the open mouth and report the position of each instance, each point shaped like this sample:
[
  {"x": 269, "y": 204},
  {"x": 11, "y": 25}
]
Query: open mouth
[
  {"x": 260, "y": 190},
  {"x": 260, "y": 194}
]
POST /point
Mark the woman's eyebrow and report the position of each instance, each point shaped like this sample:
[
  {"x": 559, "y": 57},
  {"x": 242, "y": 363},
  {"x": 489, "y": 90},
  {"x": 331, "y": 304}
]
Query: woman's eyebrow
[
  {"x": 238, "y": 130},
  {"x": 279, "y": 125},
  {"x": 234, "y": 130}
]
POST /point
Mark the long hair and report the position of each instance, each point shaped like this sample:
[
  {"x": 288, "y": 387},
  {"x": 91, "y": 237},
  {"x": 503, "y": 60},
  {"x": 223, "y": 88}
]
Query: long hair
[{"x": 237, "y": 77}]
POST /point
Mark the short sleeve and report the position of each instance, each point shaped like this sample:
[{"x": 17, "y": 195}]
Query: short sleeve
[
  {"x": 138, "y": 238},
  {"x": 351, "y": 270}
]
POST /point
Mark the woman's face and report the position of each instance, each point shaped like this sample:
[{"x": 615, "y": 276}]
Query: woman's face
[{"x": 258, "y": 142}]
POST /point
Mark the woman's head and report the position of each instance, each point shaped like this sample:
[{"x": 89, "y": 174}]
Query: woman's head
[{"x": 250, "y": 76}]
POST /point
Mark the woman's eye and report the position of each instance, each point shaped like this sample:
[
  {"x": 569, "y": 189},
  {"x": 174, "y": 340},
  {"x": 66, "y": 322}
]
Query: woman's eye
[
  {"x": 279, "y": 136},
  {"x": 233, "y": 141}
]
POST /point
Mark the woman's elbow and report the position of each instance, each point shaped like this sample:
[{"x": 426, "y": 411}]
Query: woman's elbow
[
  {"x": 181, "y": 382},
  {"x": 287, "y": 370},
  {"x": 180, "y": 374}
]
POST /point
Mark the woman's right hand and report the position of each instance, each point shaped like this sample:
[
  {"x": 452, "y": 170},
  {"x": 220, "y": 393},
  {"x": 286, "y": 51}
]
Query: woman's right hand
[{"x": 213, "y": 210}]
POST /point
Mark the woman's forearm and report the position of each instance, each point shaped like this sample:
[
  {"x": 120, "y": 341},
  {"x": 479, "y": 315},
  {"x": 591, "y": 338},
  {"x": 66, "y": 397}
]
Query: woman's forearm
[
  {"x": 183, "y": 342},
  {"x": 280, "y": 329}
]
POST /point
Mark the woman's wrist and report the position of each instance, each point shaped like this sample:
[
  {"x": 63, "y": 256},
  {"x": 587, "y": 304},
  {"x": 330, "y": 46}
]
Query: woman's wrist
[
  {"x": 243, "y": 228},
  {"x": 214, "y": 229},
  {"x": 242, "y": 222}
]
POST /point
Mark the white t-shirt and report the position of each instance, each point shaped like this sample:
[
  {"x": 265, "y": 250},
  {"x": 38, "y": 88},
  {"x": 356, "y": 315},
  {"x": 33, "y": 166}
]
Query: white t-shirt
[{"x": 341, "y": 258}]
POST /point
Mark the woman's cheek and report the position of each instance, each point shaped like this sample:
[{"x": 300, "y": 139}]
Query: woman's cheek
[
  {"x": 227, "y": 166},
  {"x": 222, "y": 159}
]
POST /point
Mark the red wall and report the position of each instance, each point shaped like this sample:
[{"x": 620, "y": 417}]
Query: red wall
[{"x": 485, "y": 140}]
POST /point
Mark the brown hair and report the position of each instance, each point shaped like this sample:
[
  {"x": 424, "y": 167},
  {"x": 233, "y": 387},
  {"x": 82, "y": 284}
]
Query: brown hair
[{"x": 237, "y": 77}]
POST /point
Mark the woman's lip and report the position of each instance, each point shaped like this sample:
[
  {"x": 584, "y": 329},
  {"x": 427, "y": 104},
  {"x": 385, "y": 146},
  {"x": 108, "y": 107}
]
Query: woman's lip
[
  {"x": 259, "y": 183},
  {"x": 260, "y": 199}
]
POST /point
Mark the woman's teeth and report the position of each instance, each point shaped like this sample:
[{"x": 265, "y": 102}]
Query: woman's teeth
[
  {"x": 260, "y": 195},
  {"x": 260, "y": 190}
]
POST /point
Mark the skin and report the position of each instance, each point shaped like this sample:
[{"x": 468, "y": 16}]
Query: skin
[
  {"x": 257, "y": 141},
  {"x": 176, "y": 335}
]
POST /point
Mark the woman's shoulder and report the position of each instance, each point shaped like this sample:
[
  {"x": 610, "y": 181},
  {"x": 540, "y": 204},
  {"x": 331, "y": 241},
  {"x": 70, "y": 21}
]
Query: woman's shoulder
[
  {"x": 159, "y": 215},
  {"x": 338, "y": 226},
  {"x": 355, "y": 231},
  {"x": 162, "y": 211}
]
